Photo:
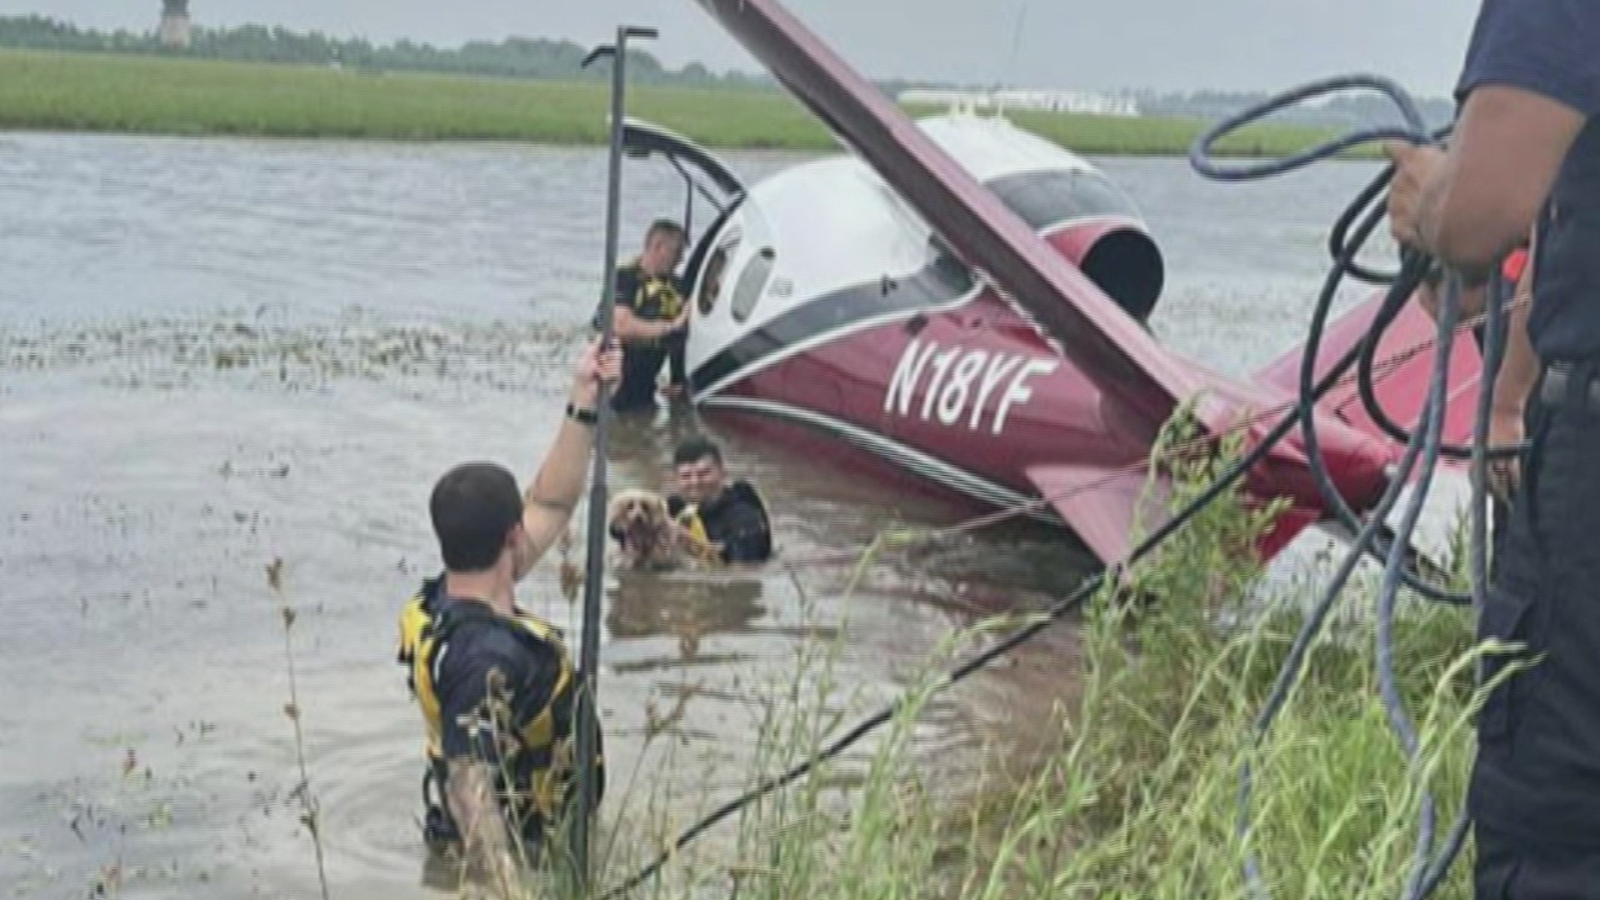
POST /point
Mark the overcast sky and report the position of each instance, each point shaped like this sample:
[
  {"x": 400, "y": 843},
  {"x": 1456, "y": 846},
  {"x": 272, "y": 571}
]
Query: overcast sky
[{"x": 1162, "y": 44}]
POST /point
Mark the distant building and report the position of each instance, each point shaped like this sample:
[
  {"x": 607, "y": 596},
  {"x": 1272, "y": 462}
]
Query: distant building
[
  {"x": 1043, "y": 100},
  {"x": 174, "y": 30}
]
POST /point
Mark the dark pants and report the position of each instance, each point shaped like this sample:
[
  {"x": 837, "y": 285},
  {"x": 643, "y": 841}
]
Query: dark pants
[
  {"x": 1535, "y": 791},
  {"x": 1509, "y": 869}
]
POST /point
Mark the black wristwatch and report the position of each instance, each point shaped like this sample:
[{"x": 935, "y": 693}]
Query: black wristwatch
[{"x": 585, "y": 416}]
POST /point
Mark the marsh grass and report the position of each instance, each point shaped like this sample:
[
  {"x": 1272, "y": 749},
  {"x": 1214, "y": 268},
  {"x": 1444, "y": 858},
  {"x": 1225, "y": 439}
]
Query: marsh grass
[
  {"x": 160, "y": 95},
  {"x": 311, "y": 811},
  {"x": 1143, "y": 798}
]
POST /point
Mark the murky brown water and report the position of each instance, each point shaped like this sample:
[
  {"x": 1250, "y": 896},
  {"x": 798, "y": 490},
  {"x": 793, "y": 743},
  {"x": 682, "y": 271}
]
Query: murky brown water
[{"x": 218, "y": 353}]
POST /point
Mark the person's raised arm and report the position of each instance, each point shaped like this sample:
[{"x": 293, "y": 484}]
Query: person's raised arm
[{"x": 555, "y": 490}]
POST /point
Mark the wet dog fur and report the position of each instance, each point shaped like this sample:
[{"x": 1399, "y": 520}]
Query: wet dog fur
[{"x": 646, "y": 536}]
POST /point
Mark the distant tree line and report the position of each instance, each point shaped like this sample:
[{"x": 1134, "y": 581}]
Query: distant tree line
[
  {"x": 511, "y": 58},
  {"x": 542, "y": 58}
]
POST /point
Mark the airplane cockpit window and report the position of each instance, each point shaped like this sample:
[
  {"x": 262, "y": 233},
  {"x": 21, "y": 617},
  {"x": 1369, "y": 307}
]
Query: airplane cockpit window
[
  {"x": 752, "y": 282},
  {"x": 1046, "y": 198},
  {"x": 711, "y": 284}
]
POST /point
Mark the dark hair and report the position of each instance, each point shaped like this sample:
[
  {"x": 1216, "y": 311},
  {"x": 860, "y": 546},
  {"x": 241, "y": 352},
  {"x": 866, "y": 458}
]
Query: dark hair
[
  {"x": 473, "y": 507},
  {"x": 665, "y": 226},
  {"x": 695, "y": 448}
]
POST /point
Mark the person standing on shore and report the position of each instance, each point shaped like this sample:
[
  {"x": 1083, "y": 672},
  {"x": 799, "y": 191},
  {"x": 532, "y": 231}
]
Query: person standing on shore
[{"x": 1526, "y": 150}]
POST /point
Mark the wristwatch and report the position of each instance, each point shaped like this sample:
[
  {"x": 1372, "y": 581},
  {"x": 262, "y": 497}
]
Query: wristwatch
[{"x": 585, "y": 416}]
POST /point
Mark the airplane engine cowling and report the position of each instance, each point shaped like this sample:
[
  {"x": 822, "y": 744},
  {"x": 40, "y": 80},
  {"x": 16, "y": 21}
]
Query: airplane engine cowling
[
  {"x": 1120, "y": 257},
  {"x": 1088, "y": 217}
]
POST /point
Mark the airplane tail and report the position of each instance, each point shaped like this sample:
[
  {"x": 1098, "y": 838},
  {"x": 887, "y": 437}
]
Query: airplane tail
[
  {"x": 1101, "y": 504},
  {"x": 1401, "y": 373}
]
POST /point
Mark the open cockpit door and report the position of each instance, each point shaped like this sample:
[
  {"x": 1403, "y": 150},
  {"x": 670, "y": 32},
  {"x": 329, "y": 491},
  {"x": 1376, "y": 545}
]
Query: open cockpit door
[
  {"x": 703, "y": 174},
  {"x": 708, "y": 175}
]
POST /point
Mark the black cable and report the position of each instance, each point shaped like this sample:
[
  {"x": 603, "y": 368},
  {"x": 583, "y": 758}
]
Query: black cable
[
  {"x": 1342, "y": 248},
  {"x": 1389, "y": 588},
  {"x": 1493, "y": 352},
  {"x": 1411, "y": 271},
  {"x": 1369, "y": 213},
  {"x": 1290, "y": 672},
  {"x": 1370, "y": 196},
  {"x": 1380, "y": 417},
  {"x": 1428, "y": 871},
  {"x": 1415, "y": 126}
]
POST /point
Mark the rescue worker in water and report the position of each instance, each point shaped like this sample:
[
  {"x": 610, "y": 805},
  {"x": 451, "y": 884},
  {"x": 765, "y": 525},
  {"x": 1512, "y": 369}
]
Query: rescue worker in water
[
  {"x": 651, "y": 319},
  {"x": 496, "y": 684},
  {"x": 729, "y": 517}
]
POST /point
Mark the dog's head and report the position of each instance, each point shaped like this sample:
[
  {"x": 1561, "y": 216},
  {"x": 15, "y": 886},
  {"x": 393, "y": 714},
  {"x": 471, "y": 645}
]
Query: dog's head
[
  {"x": 634, "y": 510},
  {"x": 639, "y": 521}
]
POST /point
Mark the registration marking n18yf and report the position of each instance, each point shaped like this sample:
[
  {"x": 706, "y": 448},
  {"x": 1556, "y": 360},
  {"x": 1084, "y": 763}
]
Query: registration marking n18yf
[{"x": 961, "y": 385}]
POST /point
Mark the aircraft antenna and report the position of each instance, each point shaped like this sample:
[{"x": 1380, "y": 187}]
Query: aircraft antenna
[
  {"x": 1016, "y": 41},
  {"x": 1010, "y": 68}
]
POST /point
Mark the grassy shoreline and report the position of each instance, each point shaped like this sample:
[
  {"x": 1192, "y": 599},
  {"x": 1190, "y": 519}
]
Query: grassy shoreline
[{"x": 171, "y": 96}]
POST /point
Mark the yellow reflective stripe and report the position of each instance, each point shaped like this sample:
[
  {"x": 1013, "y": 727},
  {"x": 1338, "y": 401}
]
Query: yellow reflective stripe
[
  {"x": 537, "y": 735},
  {"x": 689, "y": 518},
  {"x": 413, "y": 619},
  {"x": 666, "y": 292}
]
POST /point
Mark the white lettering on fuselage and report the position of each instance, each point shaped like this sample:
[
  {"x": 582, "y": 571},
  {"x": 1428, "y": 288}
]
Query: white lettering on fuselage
[{"x": 960, "y": 384}]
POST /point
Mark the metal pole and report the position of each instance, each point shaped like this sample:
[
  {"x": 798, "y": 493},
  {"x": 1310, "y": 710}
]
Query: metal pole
[{"x": 587, "y": 715}]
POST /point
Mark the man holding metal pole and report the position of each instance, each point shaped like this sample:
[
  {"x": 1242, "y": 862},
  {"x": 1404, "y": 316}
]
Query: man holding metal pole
[{"x": 495, "y": 683}]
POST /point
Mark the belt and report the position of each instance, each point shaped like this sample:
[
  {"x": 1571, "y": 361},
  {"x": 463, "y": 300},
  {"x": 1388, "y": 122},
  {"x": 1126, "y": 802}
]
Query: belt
[{"x": 1575, "y": 386}]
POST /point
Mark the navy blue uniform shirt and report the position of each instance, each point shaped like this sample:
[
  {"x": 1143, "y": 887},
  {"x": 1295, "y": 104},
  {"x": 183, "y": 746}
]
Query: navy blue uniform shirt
[
  {"x": 736, "y": 519},
  {"x": 462, "y": 688},
  {"x": 642, "y": 360},
  {"x": 1552, "y": 48}
]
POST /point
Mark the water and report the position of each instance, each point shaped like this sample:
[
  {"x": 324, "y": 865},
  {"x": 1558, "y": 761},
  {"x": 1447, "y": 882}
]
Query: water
[{"x": 215, "y": 354}]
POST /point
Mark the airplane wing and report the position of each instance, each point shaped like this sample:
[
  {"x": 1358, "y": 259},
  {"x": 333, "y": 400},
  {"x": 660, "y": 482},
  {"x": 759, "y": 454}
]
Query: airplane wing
[{"x": 1115, "y": 350}]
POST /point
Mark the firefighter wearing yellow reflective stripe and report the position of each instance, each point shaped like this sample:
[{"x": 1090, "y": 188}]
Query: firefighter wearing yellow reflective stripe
[
  {"x": 535, "y": 723},
  {"x": 730, "y": 517},
  {"x": 650, "y": 319},
  {"x": 496, "y": 685}
]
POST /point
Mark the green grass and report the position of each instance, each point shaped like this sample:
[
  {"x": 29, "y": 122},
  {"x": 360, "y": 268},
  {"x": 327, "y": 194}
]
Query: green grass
[
  {"x": 1143, "y": 798},
  {"x": 160, "y": 95}
]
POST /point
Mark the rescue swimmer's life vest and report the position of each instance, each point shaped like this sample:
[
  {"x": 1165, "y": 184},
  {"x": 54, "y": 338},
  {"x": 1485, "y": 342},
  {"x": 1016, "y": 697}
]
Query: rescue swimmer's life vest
[
  {"x": 664, "y": 291},
  {"x": 690, "y": 519},
  {"x": 546, "y": 741},
  {"x": 653, "y": 297}
]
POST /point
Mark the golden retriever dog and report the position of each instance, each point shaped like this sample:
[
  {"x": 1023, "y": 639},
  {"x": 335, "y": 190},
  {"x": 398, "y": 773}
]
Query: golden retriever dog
[{"x": 639, "y": 522}]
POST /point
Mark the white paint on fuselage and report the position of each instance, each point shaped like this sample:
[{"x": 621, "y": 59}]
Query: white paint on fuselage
[{"x": 833, "y": 223}]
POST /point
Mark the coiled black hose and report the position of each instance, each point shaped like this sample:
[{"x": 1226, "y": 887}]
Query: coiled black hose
[{"x": 1429, "y": 869}]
